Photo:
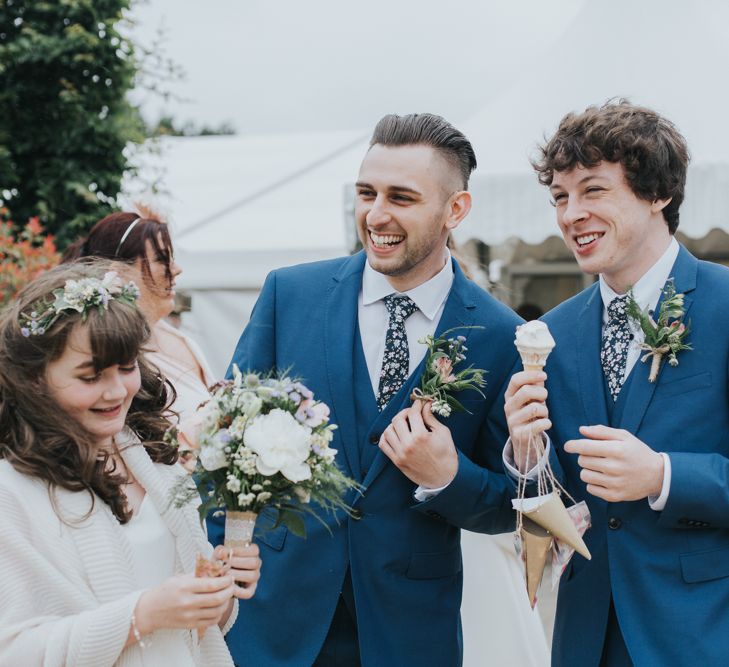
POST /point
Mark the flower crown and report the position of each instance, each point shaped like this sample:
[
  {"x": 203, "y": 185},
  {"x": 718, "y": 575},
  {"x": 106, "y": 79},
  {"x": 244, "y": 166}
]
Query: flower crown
[{"x": 78, "y": 296}]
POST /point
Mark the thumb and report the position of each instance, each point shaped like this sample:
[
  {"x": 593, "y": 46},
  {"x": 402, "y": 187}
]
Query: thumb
[{"x": 429, "y": 419}]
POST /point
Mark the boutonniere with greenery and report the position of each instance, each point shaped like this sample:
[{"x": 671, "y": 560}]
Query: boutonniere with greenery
[
  {"x": 665, "y": 336},
  {"x": 440, "y": 378}
]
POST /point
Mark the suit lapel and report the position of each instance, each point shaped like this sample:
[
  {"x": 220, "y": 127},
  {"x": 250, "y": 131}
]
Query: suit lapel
[
  {"x": 641, "y": 390},
  {"x": 339, "y": 330},
  {"x": 458, "y": 312},
  {"x": 589, "y": 341}
]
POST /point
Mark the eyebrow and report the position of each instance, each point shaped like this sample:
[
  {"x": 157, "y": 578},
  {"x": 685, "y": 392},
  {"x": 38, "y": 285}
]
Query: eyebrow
[
  {"x": 85, "y": 365},
  {"x": 391, "y": 188},
  {"x": 584, "y": 179}
]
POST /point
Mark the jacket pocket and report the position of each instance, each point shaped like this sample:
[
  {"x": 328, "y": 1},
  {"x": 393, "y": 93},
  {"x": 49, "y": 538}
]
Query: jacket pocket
[
  {"x": 705, "y": 565},
  {"x": 266, "y": 533},
  {"x": 685, "y": 385},
  {"x": 435, "y": 565}
]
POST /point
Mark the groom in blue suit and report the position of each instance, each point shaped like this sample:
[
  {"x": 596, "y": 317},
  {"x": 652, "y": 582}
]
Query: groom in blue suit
[
  {"x": 651, "y": 458},
  {"x": 382, "y": 588}
]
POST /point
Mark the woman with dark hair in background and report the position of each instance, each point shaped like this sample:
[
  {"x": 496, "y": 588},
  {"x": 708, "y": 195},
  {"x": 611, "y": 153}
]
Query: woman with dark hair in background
[{"x": 143, "y": 242}]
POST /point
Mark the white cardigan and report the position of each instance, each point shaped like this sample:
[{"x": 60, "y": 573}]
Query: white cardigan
[{"x": 66, "y": 587}]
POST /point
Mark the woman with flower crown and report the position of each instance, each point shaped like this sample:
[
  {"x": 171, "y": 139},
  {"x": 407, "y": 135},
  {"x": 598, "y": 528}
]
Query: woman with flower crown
[{"x": 97, "y": 564}]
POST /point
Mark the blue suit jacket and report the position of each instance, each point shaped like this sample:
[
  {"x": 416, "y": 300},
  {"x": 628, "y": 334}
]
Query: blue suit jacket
[
  {"x": 668, "y": 571},
  {"x": 404, "y": 557}
]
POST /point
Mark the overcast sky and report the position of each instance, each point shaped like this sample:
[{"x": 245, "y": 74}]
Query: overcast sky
[{"x": 335, "y": 64}]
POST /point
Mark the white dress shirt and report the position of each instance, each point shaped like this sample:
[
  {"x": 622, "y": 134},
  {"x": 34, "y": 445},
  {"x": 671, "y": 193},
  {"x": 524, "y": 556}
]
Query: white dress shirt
[
  {"x": 430, "y": 298},
  {"x": 646, "y": 292}
]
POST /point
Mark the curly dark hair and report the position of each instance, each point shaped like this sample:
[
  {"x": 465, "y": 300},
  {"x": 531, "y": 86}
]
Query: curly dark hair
[
  {"x": 34, "y": 438},
  {"x": 651, "y": 150}
]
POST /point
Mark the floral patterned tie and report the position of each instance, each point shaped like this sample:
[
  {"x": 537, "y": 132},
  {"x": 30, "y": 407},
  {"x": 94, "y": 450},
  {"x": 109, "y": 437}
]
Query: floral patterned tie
[
  {"x": 615, "y": 343},
  {"x": 396, "y": 360}
]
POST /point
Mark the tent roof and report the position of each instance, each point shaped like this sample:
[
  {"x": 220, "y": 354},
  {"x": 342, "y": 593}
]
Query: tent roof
[
  {"x": 244, "y": 193},
  {"x": 659, "y": 53}
]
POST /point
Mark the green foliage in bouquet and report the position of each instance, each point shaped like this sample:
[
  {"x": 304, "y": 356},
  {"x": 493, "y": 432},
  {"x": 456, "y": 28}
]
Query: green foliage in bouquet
[
  {"x": 264, "y": 442},
  {"x": 440, "y": 378}
]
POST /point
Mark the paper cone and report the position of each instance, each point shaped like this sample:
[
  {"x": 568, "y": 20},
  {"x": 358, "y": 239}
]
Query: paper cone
[
  {"x": 537, "y": 544},
  {"x": 550, "y": 513}
]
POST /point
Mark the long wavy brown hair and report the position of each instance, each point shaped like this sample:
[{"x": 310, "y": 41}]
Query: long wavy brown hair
[{"x": 34, "y": 436}]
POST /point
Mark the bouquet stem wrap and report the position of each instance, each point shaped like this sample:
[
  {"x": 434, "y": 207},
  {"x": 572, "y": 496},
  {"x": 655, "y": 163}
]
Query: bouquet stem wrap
[{"x": 239, "y": 528}]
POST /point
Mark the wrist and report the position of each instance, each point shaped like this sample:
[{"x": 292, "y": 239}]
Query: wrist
[{"x": 143, "y": 619}]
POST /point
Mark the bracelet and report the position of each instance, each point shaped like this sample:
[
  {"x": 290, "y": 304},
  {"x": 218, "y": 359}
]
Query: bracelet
[{"x": 135, "y": 632}]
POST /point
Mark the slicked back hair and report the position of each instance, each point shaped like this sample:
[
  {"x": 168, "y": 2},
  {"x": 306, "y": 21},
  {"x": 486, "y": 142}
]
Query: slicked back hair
[
  {"x": 651, "y": 150},
  {"x": 427, "y": 129}
]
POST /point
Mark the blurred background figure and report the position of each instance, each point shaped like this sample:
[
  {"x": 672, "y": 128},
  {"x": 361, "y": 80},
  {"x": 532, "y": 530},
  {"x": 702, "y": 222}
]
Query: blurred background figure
[{"x": 143, "y": 242}]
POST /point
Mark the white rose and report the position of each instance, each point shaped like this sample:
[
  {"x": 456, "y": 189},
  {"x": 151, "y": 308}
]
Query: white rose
[
  {"x": 282, "y": 444},
  {"x": 213, "y": 458}
]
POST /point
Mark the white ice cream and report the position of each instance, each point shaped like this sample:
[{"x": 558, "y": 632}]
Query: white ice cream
[{"x": 534, "y": 335}]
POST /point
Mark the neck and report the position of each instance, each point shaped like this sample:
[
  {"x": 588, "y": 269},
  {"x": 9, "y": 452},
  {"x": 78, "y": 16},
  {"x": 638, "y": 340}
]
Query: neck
[{"x": 621, "y": 280}]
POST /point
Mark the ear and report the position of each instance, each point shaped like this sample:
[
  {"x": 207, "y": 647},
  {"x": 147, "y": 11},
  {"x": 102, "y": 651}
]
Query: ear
[
  {"x": 459, "y": 207},
  {"x": 659, "y": 204}
]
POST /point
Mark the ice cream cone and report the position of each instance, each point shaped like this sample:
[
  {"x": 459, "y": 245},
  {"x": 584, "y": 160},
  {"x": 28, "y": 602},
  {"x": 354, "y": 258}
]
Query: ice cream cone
[
  {"x": 534, "y": 343},
  {"x": 551, "y": 514},
  {"x": 537, "y": 544}
]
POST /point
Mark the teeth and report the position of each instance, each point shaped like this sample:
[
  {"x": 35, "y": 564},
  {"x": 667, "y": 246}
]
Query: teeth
[
  {"x": 382, "y": 239},
  {"x": 587, "y": 238}
]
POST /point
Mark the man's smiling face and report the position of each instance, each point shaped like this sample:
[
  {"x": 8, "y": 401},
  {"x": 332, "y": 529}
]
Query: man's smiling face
[
  {"x": 608, "y": 228},
  {"x": 404, "y": 211}
]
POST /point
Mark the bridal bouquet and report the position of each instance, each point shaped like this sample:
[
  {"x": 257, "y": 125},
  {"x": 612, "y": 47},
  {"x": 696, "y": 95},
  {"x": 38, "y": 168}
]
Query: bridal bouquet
[{"x": 262, "y": 442}]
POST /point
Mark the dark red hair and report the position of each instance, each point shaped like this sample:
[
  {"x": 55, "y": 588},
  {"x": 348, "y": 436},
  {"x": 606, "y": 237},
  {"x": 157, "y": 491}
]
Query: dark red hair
[{"x": 113, "y": 237}]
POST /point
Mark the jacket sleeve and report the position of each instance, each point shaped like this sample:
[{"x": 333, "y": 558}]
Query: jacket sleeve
[
  {"x": 34, "y": 626},
  {"x": 699, "y": 492},
  {"x": 479, "y": 497}
]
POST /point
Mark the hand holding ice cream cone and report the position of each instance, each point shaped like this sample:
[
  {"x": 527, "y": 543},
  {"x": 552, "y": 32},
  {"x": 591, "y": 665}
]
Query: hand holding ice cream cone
[{"x": 526, "y": 396}]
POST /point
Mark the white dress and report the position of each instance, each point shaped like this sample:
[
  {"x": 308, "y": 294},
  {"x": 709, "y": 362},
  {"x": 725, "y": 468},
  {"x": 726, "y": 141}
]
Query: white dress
[
  {"x": 499, "y": 627},
  {"x": 72, "y": 576},
  {"x": 153, "y": 557}
]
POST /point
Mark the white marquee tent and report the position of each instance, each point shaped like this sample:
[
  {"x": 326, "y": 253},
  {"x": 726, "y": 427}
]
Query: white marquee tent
[{"x": 243, "y": 205}]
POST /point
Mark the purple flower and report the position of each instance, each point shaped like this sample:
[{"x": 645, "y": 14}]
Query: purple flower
[
  {"x": 295, "y": 397},
  {"x": 25, "y": 331}
]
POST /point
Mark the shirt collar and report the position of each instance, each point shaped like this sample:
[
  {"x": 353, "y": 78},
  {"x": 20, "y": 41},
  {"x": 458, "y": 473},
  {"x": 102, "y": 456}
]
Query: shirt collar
[
  {"x": 428, "y": 296},
  {"x": 648, "y": 289}
]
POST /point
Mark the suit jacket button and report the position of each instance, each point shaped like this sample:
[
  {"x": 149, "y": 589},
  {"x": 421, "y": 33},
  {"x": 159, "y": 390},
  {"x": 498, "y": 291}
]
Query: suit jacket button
[
  {"x": 614, "y": 523},
  {"x": 356, "y": 514},
  {"x": 375, "y": 439}
]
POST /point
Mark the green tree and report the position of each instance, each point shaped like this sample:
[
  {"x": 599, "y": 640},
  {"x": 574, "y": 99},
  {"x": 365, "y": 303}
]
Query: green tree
[{"x": 65, "y": 69}]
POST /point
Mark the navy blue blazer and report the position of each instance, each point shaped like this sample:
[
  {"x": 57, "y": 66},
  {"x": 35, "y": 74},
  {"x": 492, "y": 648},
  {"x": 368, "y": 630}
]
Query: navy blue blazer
[
  {"x": 667, "y": 572},
  {"x": 404, "y": 557}
]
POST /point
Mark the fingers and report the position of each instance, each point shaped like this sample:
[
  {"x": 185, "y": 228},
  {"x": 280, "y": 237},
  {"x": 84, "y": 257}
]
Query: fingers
[
  {"x": 415, "y": 417},
  {"x": 523, "y": 379},
  {"x": 205, "y": 585},
  {"x": 600, "y": 432},
  {"x": 429, "y": 419},
  {"x": 593, "y": 448}
]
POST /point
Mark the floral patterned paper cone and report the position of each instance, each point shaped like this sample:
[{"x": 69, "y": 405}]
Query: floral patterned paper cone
[{"x": 205, "y": 567}]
